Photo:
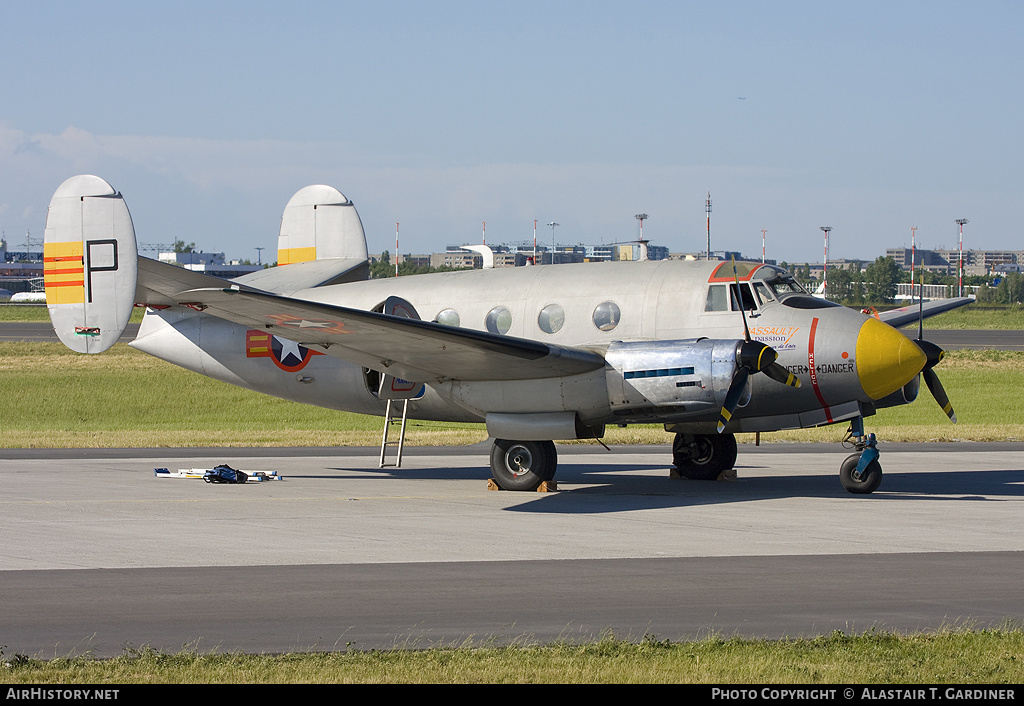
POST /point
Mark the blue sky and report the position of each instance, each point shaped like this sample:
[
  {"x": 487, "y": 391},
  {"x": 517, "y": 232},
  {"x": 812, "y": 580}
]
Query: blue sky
[{"x": 869, "y": 117}]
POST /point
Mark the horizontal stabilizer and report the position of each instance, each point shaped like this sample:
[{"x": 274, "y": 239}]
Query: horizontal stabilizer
[
  {"x": 410, "y": 349},
  {"x": 306, "y": 275}
]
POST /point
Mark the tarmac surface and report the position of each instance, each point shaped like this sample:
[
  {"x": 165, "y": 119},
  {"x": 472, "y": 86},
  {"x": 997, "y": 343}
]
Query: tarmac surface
[{"x": 99, "y": 554}]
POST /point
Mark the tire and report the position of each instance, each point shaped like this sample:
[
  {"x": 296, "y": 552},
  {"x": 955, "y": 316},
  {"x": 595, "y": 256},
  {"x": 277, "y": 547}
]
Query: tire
[
  {"x": 522, "y": 465},
  {"x": 705, "y": 457},
  {"x": 869, "y": 481}
]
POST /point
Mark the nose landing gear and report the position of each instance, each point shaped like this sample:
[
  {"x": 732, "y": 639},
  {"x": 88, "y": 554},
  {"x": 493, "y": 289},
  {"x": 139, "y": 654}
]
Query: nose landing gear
[{"x": 861, "y": 473}]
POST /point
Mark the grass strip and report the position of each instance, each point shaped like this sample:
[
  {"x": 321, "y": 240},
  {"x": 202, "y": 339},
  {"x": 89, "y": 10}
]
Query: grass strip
[
  {"x": 949, "y": 656},
  {"x": 124, "y": 398}
]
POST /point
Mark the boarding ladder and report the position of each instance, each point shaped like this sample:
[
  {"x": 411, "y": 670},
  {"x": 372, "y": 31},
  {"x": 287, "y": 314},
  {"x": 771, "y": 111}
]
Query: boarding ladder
[{"x": 391, "y": 418}]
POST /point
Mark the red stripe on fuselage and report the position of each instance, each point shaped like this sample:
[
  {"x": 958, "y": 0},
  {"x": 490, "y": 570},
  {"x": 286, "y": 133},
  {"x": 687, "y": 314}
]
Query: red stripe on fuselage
[{"x": 814, "y": 374}]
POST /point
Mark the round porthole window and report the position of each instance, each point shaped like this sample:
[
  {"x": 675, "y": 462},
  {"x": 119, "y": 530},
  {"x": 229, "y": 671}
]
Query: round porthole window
[
  {"x": 551, "y": 318},
  {"x": 499, "y": 320},
  {"x": 448, "y": 317},
  {"x": 607, "y": 315}
]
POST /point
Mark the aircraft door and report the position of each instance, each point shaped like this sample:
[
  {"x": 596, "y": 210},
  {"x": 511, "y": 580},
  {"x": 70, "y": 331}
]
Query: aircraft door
[{"x": 380, "y": 384}]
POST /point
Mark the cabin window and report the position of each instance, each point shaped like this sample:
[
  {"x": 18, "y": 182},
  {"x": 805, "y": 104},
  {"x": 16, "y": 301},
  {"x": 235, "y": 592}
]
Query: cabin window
[
  {"x": 763, "y": 295},
  {"x": 499, "y": 320},
  {"x": 607, "y": 315},
  {"x": 448, "y": 317},
  {"x": 718, "y": 298},
  {"x": 551, "y": 318}
]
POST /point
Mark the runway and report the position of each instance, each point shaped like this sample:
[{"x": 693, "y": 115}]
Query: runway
[{"x": 99, "y": 554}]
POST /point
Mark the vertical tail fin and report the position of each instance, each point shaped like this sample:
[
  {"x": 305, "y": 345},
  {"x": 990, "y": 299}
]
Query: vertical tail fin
[
  {"x": 320, "y": 223},
  {"x": 90, "y": 263}
]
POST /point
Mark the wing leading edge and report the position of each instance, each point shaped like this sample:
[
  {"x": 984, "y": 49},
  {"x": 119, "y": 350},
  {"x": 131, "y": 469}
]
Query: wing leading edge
[
  {"x": 910, "y": 314},
  {"x": 418, "y": 351}
]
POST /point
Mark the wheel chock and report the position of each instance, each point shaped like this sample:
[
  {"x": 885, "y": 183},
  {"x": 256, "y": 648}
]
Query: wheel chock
[{"x": 548, "y": 486}]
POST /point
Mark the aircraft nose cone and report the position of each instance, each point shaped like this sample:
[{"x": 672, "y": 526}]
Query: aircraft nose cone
[{"x": 886, "y": 359}]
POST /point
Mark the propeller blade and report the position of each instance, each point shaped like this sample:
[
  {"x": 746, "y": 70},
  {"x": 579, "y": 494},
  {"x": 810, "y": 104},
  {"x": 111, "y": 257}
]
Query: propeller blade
[
  {"x": 739, "y": 300},
  {"x": 780, "y": 374},
  {"x": 938, "y": 392},
  {"x": 932, "y": 352},
  {"x": 732, "y": 398},
  {"x": 935, "y": 355}
]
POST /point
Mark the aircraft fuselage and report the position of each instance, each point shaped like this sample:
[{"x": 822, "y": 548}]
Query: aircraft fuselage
[{"x": 646, "y": 318}]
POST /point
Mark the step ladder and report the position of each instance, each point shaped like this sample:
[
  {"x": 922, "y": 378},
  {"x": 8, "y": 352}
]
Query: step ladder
[{"x": 390, "y": 419}]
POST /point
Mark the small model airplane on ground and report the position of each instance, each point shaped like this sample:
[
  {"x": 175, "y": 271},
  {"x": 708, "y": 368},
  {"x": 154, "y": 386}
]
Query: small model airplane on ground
[{"x": 538, "y": 353}]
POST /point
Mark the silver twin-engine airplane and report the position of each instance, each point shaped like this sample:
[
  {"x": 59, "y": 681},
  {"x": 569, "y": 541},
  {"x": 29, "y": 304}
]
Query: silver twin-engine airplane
[{"x": 537, "y": 353}]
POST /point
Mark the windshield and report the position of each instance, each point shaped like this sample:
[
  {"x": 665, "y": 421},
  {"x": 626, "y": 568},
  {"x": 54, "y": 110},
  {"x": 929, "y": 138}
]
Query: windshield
[{"x": 782, "y": 287}]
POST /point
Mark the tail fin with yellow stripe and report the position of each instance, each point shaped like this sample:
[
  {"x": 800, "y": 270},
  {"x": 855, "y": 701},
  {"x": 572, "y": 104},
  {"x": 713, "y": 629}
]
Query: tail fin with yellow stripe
[
  {"x": 320, "y": 223},
  {"x": 90, "y": 263}
]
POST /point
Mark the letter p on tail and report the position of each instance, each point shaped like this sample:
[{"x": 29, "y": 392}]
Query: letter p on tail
[{"x": 90, "y": 264}]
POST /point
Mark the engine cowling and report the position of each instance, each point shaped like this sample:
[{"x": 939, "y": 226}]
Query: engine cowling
[{"x": 671, "y": 380}]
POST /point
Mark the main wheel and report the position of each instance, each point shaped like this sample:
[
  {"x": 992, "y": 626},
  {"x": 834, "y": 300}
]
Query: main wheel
[
  {"x": 869, "y": 481},
  {"x": 523, "y": 465},
  {"x": 705, "y": 456}
]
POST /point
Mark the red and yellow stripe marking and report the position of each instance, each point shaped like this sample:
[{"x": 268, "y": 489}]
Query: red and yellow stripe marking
[
  {"x": 257, "y": 344},
  {"x": 64, "y": 273}
]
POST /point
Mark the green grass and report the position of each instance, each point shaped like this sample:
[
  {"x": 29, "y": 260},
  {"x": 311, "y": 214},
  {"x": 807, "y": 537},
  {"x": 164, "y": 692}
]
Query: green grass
[
  {"x": 945, "y": 657},
  {"x": 38, "y": 313},
  {"x": 977, "y": 317},
  {"x": 125, "y": 398}
]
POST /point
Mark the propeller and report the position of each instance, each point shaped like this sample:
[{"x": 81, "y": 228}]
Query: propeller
[
  {"x": 934, "y": 354},
  {"x": 751, "y": 357}
]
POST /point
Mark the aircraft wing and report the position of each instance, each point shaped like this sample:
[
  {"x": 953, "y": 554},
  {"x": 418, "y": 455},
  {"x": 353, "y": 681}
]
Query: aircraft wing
[
  {"x": 909, "y": 314},
  {"x": 158, "y": 282},
  {"x": 414, "y": 350}
]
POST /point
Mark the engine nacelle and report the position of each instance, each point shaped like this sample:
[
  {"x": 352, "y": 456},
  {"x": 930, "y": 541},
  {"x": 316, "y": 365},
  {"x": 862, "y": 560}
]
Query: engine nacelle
[
  {"x": 671, "y": 380},
  {"x": 904, "y": 395}
]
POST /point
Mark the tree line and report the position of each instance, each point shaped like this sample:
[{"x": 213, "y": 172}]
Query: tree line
[
  {"x": 877, "y": 283},
  {"x": 857, "y": 286}
]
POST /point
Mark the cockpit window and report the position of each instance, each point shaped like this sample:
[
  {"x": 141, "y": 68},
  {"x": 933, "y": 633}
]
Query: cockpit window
[
  {"x": 785, "y": 285},
  {"x": 762, "y": 293},
  {"x": 747, "y": 297},
  {"x": 724, "y": 297}
]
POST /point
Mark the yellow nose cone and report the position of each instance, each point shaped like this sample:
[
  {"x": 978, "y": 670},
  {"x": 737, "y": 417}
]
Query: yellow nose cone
[{"x": 886, "y": 359}]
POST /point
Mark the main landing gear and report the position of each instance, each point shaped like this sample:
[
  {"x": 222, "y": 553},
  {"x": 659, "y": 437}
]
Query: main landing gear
[
  {"x": 703, "y": 456},
  {"x": 522, "y": 465},
  {"x": 861, "y": 473}
]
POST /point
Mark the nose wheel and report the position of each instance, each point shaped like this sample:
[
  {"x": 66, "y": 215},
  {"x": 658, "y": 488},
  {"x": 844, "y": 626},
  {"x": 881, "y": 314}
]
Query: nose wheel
[{"x": 861, "y": 473}]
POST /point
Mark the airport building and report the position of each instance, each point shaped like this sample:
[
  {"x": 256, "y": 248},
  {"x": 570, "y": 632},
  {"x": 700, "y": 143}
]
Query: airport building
[
  {"x": 944, "y": 262},
  {"x": 211, "y": 263}
]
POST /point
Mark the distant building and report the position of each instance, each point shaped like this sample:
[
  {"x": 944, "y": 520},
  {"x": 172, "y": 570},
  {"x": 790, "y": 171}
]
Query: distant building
[
  {"x": 211, "y": 263},
  {"x": 944, "y": 262}
]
